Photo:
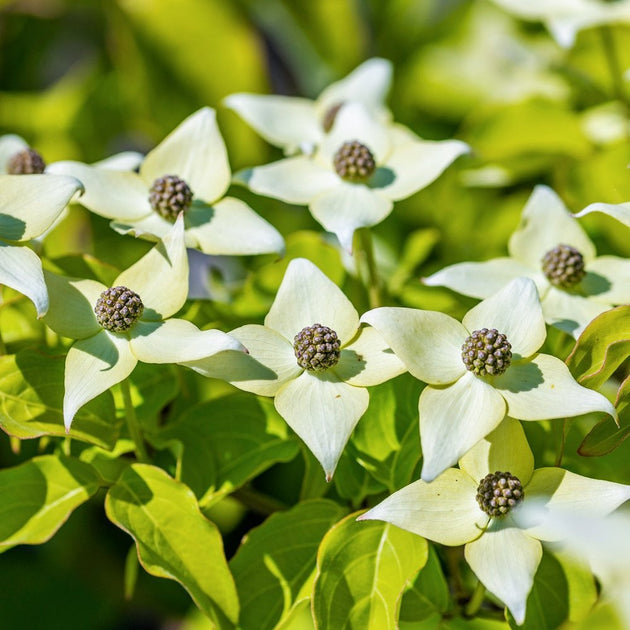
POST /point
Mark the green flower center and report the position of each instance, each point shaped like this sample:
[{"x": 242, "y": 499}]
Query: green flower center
[
  {"x": 331, "y": 114},
  {"x": 487, "y": 352},
  {"x": 316, "y": 348},
  {"x": 564, "y": 266},
  {"x": 169, "y": 196},
  {"x": 118, "y": 309},
  {"x": 26, "y": 162},
  {"x": 354, "y": 161},
  {"x": 498, "y": 493}
]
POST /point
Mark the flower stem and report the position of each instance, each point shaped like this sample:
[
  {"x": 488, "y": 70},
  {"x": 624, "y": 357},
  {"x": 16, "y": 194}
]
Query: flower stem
[
  {"x": 475, "y": 601},
  {"x": 364, "y": 253},
  {"x": 562, "y": 441},
  {"x": 132, "y": 424},
  {"x": 258, "y": 502}
]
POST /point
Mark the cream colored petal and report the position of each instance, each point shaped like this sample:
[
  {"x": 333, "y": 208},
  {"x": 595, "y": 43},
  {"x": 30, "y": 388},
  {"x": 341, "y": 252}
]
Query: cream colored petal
[
  {"x": 570, "y": 312},
  {"x": 514, "y": 311},
  {"x": 368, "y": 360},
  {"x": 307, "y": 296},
  {"x": 608, "y": 280},
  {"x": 444, "y": 510},
  {"x": 619, "y": 211},
  {"x": 195, "y": 152},
  {"x": 453, "y": 419},
  {"x": 545, "y": 224},
  {"x": 323, "y": 412},
  {"x": 505, "y": 449}
]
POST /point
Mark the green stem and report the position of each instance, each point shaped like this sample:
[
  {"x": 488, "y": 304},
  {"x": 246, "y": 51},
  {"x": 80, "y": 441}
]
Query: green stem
[
  {"x": 258, "y": 502},
  {"x": 364, "y": 251},
  {"x": 132, "y": 424},
  {"x": 562, "y": 442},
  {"x": 474, "y": 603}
]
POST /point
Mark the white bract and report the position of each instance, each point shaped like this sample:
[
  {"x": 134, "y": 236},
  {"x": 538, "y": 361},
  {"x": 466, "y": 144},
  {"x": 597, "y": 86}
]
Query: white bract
[
  {"x": 546, "y": 224},
  {"x": 565, "y": 18},
  {"x": 459, "y": 407},
  {"x": 295, "y": 123},
  {"x": 195, "y": 153},
  {"x": 503, "y": 551},
  {"x": 29, "y": 205},
  {"x": 404, "y": 164},
  {"x": 618, "y": 211},
  {"x": 324, "y": 406},
  {"x": 101, "y": 358}
]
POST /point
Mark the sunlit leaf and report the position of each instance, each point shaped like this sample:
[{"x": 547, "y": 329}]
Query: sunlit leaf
[
  {"x": 362, "y": 572},
  {"x": 273, "y": 569},
  {"x": 173, "y": 538},
  {"x": 37, "y": 497}
]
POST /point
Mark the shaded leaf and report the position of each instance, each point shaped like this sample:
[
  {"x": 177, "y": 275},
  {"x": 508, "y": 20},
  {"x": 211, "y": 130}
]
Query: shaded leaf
[
  {"x": 274, "y": 566},
  {"x": 37, "y": 497},
  {"x": 225, "y": 442},
  {"x": 173, "y": 538},
  {"x": 31, "y": 397},
  {"x": 601, "y": 348},
  {"x": 362, "y": 569}
]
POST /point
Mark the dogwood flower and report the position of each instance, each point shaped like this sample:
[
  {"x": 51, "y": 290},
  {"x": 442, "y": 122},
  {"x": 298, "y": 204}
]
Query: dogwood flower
[
  {"x": 295, "y": 123},
  {"x": 478, "y": 506},
  {"x": 29, "y": 205},
  {"x": 317, "y": 361},
  {"x": 480, "y": 370},
  {"x": 129, "y": 322},
  {"x": 187, "y": 172},
  {"x": 550, "y": 247},
  {"x": 565, "y": 18},
  {"x": 360, "y": 168}
]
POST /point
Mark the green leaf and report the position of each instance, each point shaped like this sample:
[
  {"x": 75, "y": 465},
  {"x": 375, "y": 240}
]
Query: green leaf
[
  {"x": 428, "y": 594},
  {"x": 31, "y": 396},
  {"x": 601, "y": 348},
  {"x": 225, "y": 442},
  {"x": 581, "y": 585},
  {"x": 274, "y": 566},
  {"x": 37, "y": 497},
  {"x": 173, "y": 537},
  {"x": 606, "y": 436},
  {"x": 386, "y": 442},
  {"x": 547, "y": 603},
  {"x": 362, "y": 569}
]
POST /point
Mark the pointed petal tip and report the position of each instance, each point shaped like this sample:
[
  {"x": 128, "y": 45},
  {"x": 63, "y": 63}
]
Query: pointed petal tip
[{"x": 329, "y": 477}]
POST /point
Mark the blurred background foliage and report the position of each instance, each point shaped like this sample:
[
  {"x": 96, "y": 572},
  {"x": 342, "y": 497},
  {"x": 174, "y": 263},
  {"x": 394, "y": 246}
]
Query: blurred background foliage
[{"x": 83, "y": 79}]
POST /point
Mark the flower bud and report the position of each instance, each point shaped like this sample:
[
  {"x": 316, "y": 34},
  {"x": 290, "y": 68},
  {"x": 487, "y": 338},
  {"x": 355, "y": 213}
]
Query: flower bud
[
  {"x": 487, "y": 352},
  {"x": 316, "y": 348},
  {"x": 498, "y": 493},
  {"x": 169, "y": 196},
  {"x": 26, "y": 162},
  {"x": 354, "y": 162},
  {"x": 117, "y": 309}
]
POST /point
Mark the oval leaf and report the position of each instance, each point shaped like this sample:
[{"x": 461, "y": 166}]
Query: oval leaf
[
  {"x": 37, "y": 497},
  {"x": 361, "y": 573},
  {"x": 173, "y": 538},
  {"x": 277, "y": 560}
]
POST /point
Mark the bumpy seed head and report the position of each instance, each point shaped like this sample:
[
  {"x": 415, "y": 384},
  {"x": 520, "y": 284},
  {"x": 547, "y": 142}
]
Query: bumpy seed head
[
  {"x": 354, "y": 161},
  {"x": 26, "y": 162},
  {"x": 499, "y": 492},
  {"x": 564, "y": 266},
  {"x": 331, "y": 114},
  {"x": 316, "y": 348},
  {"x": 169, "y": 196},
  {"x": 117, "y": 309},
  {"x": 487, "y": 352}
]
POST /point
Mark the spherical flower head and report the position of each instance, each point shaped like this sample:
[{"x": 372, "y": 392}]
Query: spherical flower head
[
  {"x": 487, "y": 352},
  {"x": 316, "y": 348},
  {"x": 354, "y": 162},
  {"x": 118, "y": 309},
  {"x": 564, "y": 266},
  {"x": 169, "y": 195},
  {"x": 26, "y": 162},
  {"x": 498, "y": 493},
  {"x": 331, "y": 114}
]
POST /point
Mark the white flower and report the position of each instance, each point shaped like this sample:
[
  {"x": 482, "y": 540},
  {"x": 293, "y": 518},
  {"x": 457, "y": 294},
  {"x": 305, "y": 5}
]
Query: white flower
[
  {"x": 463, "y": 402},
  {"x": 195, "y": 158},
  {"x": 321, "y": 397},
  {"x": 400, "y": 164},
  {"x": 569, "y": 301},
  {"x": 565, "y": 18},
  {"x": 295, "y": 123},
  {"x": 503, "y": 551}
]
